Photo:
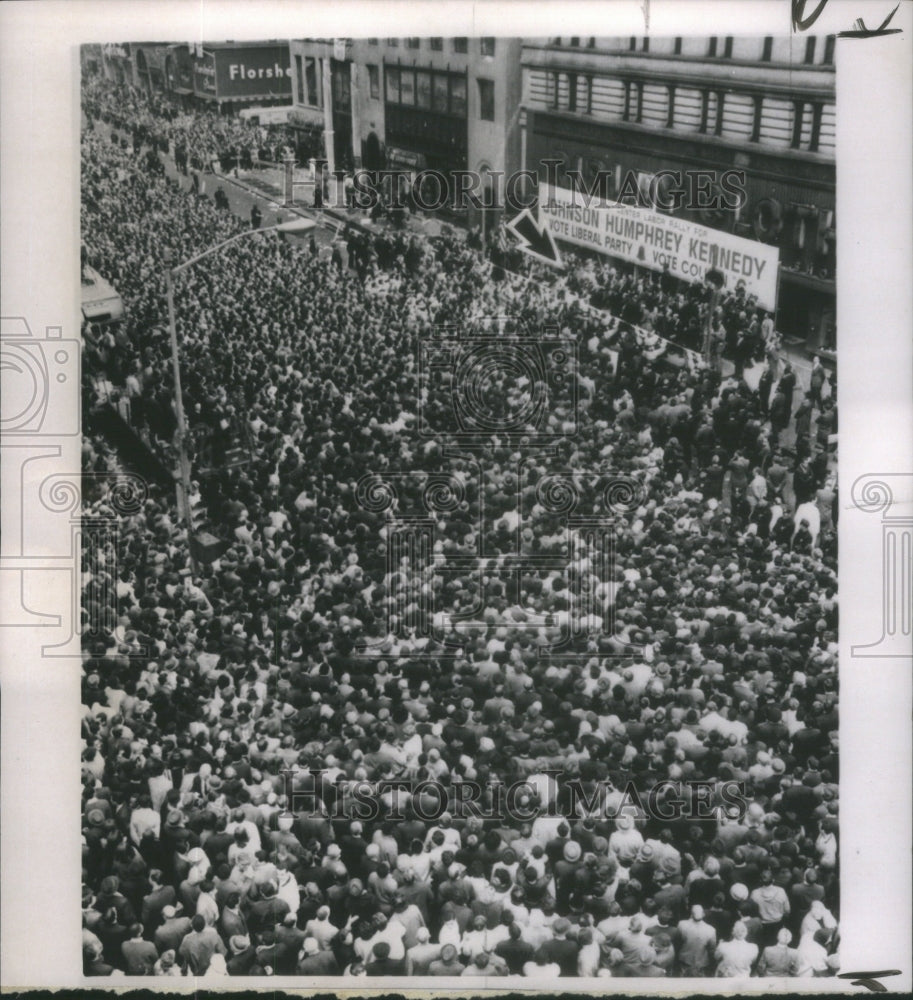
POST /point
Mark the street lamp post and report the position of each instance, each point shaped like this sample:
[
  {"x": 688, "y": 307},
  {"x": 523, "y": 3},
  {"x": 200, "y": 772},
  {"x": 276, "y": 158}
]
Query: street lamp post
[{"x": 171, "y": 272}]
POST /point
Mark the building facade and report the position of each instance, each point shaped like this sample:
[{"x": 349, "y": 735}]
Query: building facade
[
  {"x": 149, "y": 66},
  {"x": 91, "y": 60},
  {"x": 117, "y": 63},
  {"x": 763, "y": 106},
  {"x": 414, "y": 103}
]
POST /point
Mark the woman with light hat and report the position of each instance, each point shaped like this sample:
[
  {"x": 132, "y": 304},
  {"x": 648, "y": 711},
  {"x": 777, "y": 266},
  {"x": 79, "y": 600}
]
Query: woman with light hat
[{"x": 167, "y": 965}]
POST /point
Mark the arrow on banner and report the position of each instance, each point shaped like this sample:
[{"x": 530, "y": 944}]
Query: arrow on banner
[{"x": 535, "y": 240}]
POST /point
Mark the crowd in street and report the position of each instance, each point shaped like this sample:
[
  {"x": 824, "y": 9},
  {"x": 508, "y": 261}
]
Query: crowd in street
[
  {"x": 241, "y": 712},
  {"x": 197, "y": 139}
]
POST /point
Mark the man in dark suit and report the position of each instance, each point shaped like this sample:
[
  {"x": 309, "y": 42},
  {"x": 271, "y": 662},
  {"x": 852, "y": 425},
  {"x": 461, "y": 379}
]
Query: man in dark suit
[
  {"x": 380, "y": 963},
  {"x": 172, "y": 932},
  {"x": 764, "y": 386},
  {"x": 155, "y": 901},
  {"x": 232, "y": 922},
  {"x": 242, "y": 957},
  {"x": 561, "y": 950},
  {"x": 515, "y": 951},
  {"x": 314, "y": 962},
  {"x": 788, "y": 386},
  {"x": 289, "y": 939}
]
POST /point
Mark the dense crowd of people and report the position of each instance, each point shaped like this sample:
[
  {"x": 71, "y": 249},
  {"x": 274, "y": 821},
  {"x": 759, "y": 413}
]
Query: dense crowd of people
[
  {"x": 246, "y": 720},
  {"x": 197, "y": 139}
]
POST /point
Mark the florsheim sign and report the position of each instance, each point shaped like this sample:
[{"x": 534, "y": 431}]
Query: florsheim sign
[{"x": 259, "y": 71}]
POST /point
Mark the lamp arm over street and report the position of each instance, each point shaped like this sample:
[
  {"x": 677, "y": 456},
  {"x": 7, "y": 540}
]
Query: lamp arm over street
[{"x": 296, "y": 225}]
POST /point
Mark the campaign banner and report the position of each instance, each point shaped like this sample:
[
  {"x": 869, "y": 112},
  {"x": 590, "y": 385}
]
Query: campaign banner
[{"x": 654, "y": 240}]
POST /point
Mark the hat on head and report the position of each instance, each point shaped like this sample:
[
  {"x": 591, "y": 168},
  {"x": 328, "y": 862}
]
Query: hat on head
[
  {"x": 739, "y": 892},
  {"x": 572, "y": 851},
  {"x": 238, "y": 943}
]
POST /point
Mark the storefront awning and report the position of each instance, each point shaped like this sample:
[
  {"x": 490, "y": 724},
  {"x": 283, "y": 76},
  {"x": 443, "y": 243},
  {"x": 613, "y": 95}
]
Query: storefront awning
[
  {"x": 305, "y": 118},
  {"x": 253, "y": 98}
]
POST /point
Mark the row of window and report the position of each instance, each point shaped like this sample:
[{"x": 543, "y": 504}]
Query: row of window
[
  {"x": 307, "y": 82},
  {"x": 751, "y": 117},
  {"x": 724, "y": 47},
  {"x": 432, "y": 90},
  {"x": 459, "y": 45}
]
